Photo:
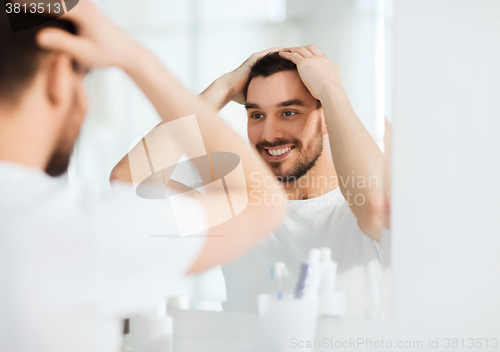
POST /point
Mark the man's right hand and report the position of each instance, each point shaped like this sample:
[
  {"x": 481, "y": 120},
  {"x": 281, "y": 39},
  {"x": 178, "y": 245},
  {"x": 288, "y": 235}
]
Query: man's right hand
[
  {"x": 238, "y": 78},
  {"x": 99, "y": 42},
  {"x": 230, "y": 86}
]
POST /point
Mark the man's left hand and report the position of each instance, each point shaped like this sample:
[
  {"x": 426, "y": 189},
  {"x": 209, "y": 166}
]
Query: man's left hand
[{"x": 317, "y": 73}]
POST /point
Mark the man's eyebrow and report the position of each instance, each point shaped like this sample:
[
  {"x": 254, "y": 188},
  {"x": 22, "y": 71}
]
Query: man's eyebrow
[
  {"x": 292, "y": 102},
  {"x": 251, "y": 106}
]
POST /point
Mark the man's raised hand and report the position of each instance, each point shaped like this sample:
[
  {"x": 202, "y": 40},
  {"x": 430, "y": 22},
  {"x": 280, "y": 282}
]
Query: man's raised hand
[
  {"x": 317, "y": 73},
  {"x": 99, "y": 43},
  {"x": 238, "y": 78}
]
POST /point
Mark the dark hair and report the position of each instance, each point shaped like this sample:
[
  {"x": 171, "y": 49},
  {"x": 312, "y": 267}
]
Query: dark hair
[
  {"x": 20, "y": 57},
  {"x": 268, "y": 65}
]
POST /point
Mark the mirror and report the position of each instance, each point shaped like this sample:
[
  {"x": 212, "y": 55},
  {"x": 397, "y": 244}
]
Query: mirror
[{"x": 199, "y": 41}]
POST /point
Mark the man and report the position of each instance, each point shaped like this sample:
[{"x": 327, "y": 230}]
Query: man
[
  {"x": 293, "y": 98},
  {"x": 73, "y": 261}
]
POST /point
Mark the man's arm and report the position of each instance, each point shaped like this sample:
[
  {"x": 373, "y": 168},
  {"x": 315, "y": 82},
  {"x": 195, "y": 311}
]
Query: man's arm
[
  {"x": 224, "y": 89},
  {"x": 122, "y": 171},
  {"x": 102, "y": 44},
  {"x": 356, "y": 155}
]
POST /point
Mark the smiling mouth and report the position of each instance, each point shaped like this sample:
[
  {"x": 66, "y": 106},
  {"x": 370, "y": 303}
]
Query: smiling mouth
[{"x": 277, "y": 154}]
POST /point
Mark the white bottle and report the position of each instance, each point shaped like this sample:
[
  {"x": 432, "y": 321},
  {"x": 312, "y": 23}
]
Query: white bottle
[
  {"x": 331, "y": 303},
  {"x": 329, "y": 272}
]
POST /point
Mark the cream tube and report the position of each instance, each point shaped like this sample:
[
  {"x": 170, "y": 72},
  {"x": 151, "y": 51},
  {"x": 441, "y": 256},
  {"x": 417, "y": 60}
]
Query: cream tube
[{"x": 310, "y": 276}]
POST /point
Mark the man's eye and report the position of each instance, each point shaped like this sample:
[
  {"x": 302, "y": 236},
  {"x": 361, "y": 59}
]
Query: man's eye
[
  {"x": 256, "y": 116},
  {"x": 289, "y": 113}
]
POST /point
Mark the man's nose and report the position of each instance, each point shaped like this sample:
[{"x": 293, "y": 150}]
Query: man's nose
[{"x": 273, "y": 129}]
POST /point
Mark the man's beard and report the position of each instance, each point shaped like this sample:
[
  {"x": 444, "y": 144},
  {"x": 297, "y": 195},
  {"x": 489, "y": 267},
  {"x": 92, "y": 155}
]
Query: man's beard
[
  {"x": 306, "y": 158},
  {"x": 59, "y": 161}
]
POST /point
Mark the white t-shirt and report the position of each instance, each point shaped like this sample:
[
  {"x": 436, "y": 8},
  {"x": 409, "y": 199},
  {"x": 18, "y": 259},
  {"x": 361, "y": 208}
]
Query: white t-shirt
[
  {"x": 74, "y": 261},
  {"x": 325, "y": 221}
]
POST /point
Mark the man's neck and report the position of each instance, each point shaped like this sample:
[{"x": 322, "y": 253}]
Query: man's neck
[
  {"x": 23, "y": 140},
  {"x": 319, "y": 180}
]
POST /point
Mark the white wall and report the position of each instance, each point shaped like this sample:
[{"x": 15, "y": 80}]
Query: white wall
[
  {"x": 446, "y": 190},
  {"x": 348, "y": 32}
]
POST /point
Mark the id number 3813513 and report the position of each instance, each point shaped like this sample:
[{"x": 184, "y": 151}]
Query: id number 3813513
[{"x": 39, "y": 7}]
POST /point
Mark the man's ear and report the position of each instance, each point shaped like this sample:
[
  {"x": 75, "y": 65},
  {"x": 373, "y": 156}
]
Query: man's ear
[{"x": 60, "y": 78}]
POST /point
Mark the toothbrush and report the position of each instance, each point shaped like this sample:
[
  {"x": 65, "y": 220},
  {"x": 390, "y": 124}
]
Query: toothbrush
[{"x": 278, "y": 272}]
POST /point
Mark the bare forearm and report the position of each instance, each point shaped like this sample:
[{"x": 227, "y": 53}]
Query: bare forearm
[
  {"x": 218, "y": 94},
  {"x": 100, "y": 43},
  {"x": 233, "y": 237},
  {"x": 173, "y": 101},
  {"x": 358, "y": 160},
  {"x": 122, "y": 170}
]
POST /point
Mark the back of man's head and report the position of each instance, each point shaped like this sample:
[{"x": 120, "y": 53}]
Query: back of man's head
[
  {"x": 20, "y": 57},
  {"x": 268, "y": 65}
]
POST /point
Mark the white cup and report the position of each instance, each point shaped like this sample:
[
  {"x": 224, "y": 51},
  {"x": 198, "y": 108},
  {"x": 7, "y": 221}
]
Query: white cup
[{"x": 287, "y": 322}]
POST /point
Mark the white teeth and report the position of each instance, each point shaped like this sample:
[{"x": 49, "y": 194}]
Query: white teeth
[{"x": 279, "y": 151}]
